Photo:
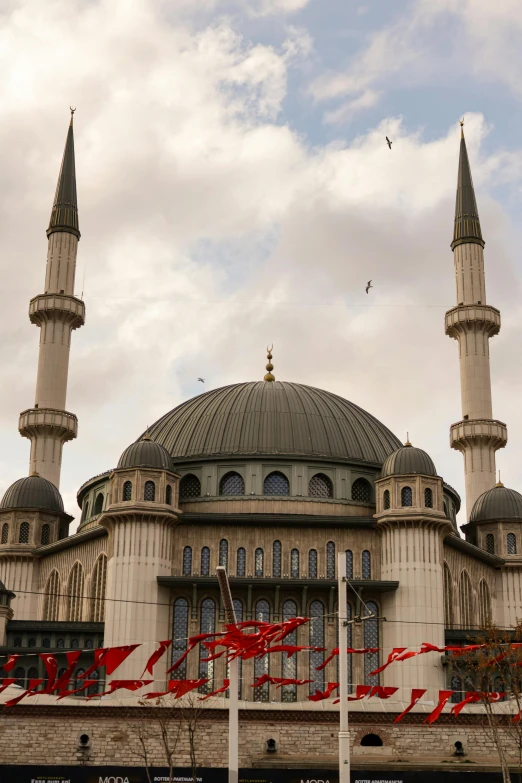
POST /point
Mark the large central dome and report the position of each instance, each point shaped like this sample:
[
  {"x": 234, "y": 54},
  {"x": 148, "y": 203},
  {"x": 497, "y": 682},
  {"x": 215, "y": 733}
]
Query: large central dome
[{"x": 279, "y": 418}]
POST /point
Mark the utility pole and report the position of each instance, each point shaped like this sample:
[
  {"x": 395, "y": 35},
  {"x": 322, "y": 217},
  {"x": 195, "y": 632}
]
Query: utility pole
[
  {"x": 233, "y": 673},
  {"x": 344, "y": 734}
]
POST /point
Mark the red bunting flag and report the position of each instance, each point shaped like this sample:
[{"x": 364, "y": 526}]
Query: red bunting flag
[
  {"x": 6, "y": 682},
  {"x": 444, "y": 697},
  {"x": 51, "y": 667},
  {"x": 110, "y": 658},
  {"x": 350, "y": 651},
  {"x": 156, "y": 655},
  {"x": 360, "y": 692},
  {"x": 291, "y": 649},
  {"x": 124, "y": 685},
  {"x": 224, "y": 687},
  {"x": 33, "y": 685},
  {"x": 63, "y": 681},
  {"x": 10, "y": 663},
  {"x": 416, "y": 695},
  {"x": 320, "y": 695},
  {"x": 278, "y": 681},
  {"x": 382, "y": 691},
  {"x": 471, "y": 698},
  {"x": 83, "y": 687},
  {"x": 393, "y": 656}
]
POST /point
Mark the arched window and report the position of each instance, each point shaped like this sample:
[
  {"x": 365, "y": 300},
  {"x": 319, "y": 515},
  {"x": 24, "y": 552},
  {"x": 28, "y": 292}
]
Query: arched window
[
  {"x": 93, "y": 688},
  {"x": 386, "y": 498},
  {"x": 320, "y": 486},
  {"x": 51, "y": 608},
  {"x": 330, "y": 560},
  {"x": 262, "y": 665},
  {"x": 149, "y": 491},
  {"x": 85, "y": 510},
  {"x": 259, "y": 562},
  {"x": 46, "y": 642},
  {"x": 276, "y": 483},
  {"x": 187, "y": 561},
  {"x": 180, "y": 616},
  {"x": 98, "y": 586},
  {"x": 312, "y": 564},
  {"x": 362, "y": 490},
  {"x": 276, "y": 558},
  {"x": 23, "y": 537},
  {"x": 17, "y": 642},
  {"x": 366, "y": 562},
  {"x": 406, "y": 496},
  {"x": 289, "y": 665},
  {"x": 490, "y": 543},
  {"x": 78, "y": 681},
  {"x": 371, "y": 639},
  {"x": 205, "y": 561},
  {"x": 232, "y": 483},
  {"x": 75, "y": 594},
  {"x": 294, "y": 563},
  {"x": 511, "y": 543},
  {"x": 448, "y": 597},
  {"x": 88, "y": 644},
  {"x": 60, "y": 643},
  {"x": 428, "y": 498},
  {"x": 465, "y": 600},
  {"x": 349, "y": 564},
  {"x": 74, "y": 644},
  {"x": 223, "y": 553},
  {"x": 98, "y": 505},
  {"x": 5, "y": 533},
  {"x": 484, "y": 604},
  {"x": 207, "y": 625},
  {"x": 456, "y": 687},
  {"x": 46, "y": 535},
  {"x": 31, "y": 642},
  {"x": 19, "y": 673},
  {"x": 168, "y": 495},
  {"x": 241, "y": 561},
  {"x": 189, "y": 486},
  {"x": 127, "y": 490},
  {"x": 316, "y": 640}
]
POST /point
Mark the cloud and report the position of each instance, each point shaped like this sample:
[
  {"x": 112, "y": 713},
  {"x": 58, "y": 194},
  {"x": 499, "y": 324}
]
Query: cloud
[{"x": 346, "y": 110}]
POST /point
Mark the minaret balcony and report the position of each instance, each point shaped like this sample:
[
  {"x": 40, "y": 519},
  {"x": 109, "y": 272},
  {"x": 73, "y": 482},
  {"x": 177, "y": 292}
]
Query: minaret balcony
[
  {"x": 36, "y": 421},
  {"x": 468, "y": 432},
  {"x": 57, "y": 307},
  {"x": 465, "y": 317}
]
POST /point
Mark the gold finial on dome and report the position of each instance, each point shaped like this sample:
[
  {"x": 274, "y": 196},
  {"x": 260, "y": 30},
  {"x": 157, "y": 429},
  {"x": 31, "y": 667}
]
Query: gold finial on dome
[
  {"x": 146, "y": 436},
  {"x": 407, "y": 439},
  {"x": 499, "y": 483},
  {"x": 462, "y": 128},
  {"x": 269, "y": 366}
]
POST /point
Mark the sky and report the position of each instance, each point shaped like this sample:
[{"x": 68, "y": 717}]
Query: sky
[{"x": 235, "y": 190}]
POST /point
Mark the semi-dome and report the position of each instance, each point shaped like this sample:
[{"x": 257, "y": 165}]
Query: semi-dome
[
  {"x": 408, "y": 459},
  {"x": 33, "y": 492},
  {"x": 277, "y": 418},
  {"x": 497, "y": 503},
  {"x": 145, "y": 453}
]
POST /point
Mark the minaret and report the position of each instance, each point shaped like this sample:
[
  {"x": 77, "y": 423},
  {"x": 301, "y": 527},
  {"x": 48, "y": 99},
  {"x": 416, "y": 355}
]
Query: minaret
[
  {"x": 57, "y": 312},
  {"x": 472, "y": 322}
]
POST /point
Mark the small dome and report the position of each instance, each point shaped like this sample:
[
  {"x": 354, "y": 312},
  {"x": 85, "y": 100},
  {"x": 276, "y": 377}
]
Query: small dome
[
  {"x": 408, "y": 459},
  {"x": 145, "y": 453},
  {"x": 33, "y": 492},
  {"x": 497, "y": 503}
]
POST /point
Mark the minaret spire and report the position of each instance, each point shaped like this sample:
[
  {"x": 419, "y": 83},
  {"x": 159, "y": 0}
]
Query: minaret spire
[
  {"x": 472, "y": 322},
  {"x": 57, "y": 312}
]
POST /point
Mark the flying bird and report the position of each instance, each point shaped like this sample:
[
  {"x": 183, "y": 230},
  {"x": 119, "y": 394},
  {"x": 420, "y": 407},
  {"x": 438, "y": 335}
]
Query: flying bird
[
  {"x": 389, "y": 142},
  {"x": 369, "y": 286},
  {"x": 201, "y": 380}
]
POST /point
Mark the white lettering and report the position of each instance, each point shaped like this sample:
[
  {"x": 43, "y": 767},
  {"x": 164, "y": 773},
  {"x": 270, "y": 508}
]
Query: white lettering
[{"x": 114, "y": 780}]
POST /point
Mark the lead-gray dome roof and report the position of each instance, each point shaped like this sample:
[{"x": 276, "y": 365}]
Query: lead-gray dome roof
[
  {"x": 145, "y": 453},
  {"x": 33, "y": 492},
  {"x": 279, "y": 418},
  {"x": 497, "y": 503},
  {"x": 408, "y": 459}
]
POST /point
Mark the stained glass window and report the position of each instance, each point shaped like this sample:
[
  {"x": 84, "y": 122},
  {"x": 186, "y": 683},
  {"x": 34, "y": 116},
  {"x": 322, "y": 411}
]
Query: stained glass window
[
  {"x": 207, "y": 625},
  {"x": 349, "y": 564},
  {"x": 46, "y": 535},
  {"x": 289, "y": 665},
  {"x": 406, "y": 496},
  {"x": 23, "y": 538},
  {"x": 312, "y": 564},
  {"x": 330, "y": 560},
  {"x": 259, "y": 562},
  {"x": 366, "y": 565},
  {"x": 179, "y": 635},
  {"x": 361, "y": 490},
  {"x": 241, "y": 562},
  {"x": 276, "y": 484},
  {"x": 149, "y": 491},
  {"x": 127, "y": 490},
  {"x": 294, "y": 563},
  {"x": 205, "y": 561},
  {"x": 5, "y": 533},
  {"x": 371, "y": 639},
  {"x": 386, "y": 498},
  {"x": 316, "y": 640},
  {"x": 428, "y": 498},
  {"x": 262, "y": 665},
  {"x": 320, "y": 486},
  {"x": 490, "y": 543},
  {"x": 232, "y": 484},
  {"x": 276, "y": 558},
  {"x": 190, "y": 486},
  {"x": 223, "y": 553},
  {"x": 187, "y": 561},
  {"x": 511, "y": 544}
]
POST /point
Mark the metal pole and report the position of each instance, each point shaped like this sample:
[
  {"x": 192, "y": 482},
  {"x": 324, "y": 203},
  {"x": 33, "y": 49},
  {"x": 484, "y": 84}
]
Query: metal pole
[
  {"x": 344, "y": 735},
  {"x": 233, "y": 673}
]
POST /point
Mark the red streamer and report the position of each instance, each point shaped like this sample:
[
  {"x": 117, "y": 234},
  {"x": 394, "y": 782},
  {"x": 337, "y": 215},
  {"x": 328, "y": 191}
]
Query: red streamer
[
  {"x": 224, "y": 687},
  {"x": 320, "y": 695},
  {"x": 444, "y": 697},
  {"x": 156, "y": 655},
  {"x": 416, "y": 695}
]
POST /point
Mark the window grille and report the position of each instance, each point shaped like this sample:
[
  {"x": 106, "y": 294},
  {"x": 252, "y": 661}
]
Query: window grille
[
  {"x": 23, "y": 538},
  {"x": 32, "y": 673},
  {"x": 88, "y": 644},
  {"x": 366, "y": 562},
  {"x": 207, "y": 625},
  {"x": 98, "y": 506},
  {"x": 232, "y": 484},
  {"x": 511, "y": 543},
  {"x": 276, "y": 483},
  {"x": 78, "y": 678},
  {"x": 241, "y": 562},
  {"x": 168, "y": 495},
  {"x": 180, "y": 617},
  {"x": 316, "y": 640},
  {"x": 46, "y": 643},
  {"x": 277, "y": 552},
  {"x": 127, "y": 490},
  {"x": 60, "y": 644},
  {"x": 205, "y": 561},
  {"x": 484, "y": 604},
  {"x": 320, "y": 486},
  {"x": 361, "y": 490},
  {"x": 312, "y": 564},
  {"x": 259, "y": 562},
  {"x": 448, "y": 597},
  {"x": 75, "y": 594},
  {"x": 294, "y": 563},
  {"x": 223, "y": 553},
  {"x": 330, "y": 560},
  {"x": 289, "y": 665},
  {"x": 187, "y": 561},
  {"x": 190, "y": 486},
  {"x": 262, "y": 665},
  {"x": 490, "y": 543},
  {"x": 93, "y": 688},
  {"x": 74, "y": 644},
  {"x": 149, "y": 492},
  {"x": 349, "y": 564},
  {"x": 5, "y": 533},
  {"x": 19, "y": 673},
  {"x": 52, "y": 597},
  {"x": 31, "y": 642},
  {"x": 456, "y": 687},
  {"x": 371, "y": 639},
  {"x": 406, "y": 496},
  {"x": 386, "y": 498},
  {"x": 428, "y": 498},
  {"x": 46, "y": 535},
  {"x": 465, "y": 598},
  {"x": 99, "y": 583}
]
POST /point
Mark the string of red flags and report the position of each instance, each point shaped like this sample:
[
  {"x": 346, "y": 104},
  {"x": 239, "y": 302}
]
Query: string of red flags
[
  {"x": 350, "y": 651},
  {"x": 416, "y": 695}
]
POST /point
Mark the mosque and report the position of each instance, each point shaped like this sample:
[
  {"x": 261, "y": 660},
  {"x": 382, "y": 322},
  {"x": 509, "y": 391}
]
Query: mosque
[{"x": 271, "y": 479}]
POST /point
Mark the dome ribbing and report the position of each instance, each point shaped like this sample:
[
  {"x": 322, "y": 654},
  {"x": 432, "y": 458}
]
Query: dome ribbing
[
  {"x": 145, "y": 454},
  {"x": 33, "y": 492},
  {"x": 497, "y": 503},
  {"x": 408, "y": 459}
]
